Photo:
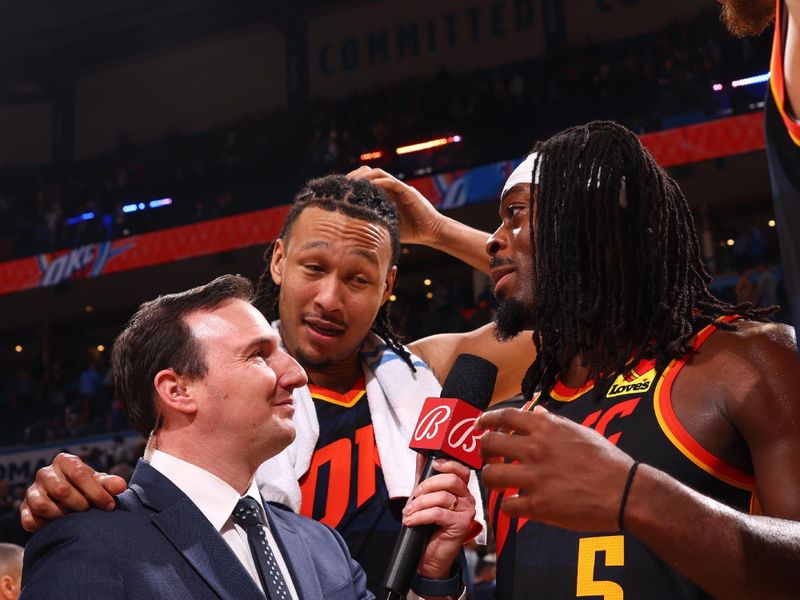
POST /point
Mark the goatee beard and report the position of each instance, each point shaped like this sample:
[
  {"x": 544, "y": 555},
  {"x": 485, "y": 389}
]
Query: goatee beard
[{"x": 510, "y": 319}]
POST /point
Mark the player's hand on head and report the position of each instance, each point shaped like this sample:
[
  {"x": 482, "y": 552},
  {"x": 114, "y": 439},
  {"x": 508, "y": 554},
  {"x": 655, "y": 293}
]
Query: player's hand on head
[
  {"x": 567, "y": 474},
  {"x": 67, "y": 485},
  {"x": 445, "y": 501},
  {"x": 419, "y": 220}
]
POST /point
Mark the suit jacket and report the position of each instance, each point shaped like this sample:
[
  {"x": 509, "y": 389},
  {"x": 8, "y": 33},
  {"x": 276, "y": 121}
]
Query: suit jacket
[{"x": 158, "y": 544}]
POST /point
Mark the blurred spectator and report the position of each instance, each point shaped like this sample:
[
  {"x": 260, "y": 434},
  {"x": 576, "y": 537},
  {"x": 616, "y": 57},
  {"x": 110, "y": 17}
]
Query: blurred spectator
[
  {"x": 90, "y": 387},
  {"x": 766, "y": 287},
  {"x": 745, "y": 288}
]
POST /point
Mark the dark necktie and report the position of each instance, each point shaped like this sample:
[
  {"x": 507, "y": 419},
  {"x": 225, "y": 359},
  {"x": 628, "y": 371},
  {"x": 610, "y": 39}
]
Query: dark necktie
[{"x": 248, "y": 515}]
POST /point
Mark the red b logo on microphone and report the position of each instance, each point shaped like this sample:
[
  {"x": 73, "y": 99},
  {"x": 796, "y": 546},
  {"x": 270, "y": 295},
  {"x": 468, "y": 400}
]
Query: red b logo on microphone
[{"x": 448, "y": 425}]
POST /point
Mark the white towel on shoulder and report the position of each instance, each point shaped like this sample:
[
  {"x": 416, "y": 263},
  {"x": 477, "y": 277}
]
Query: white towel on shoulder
[{"x": 395, "y": 395}]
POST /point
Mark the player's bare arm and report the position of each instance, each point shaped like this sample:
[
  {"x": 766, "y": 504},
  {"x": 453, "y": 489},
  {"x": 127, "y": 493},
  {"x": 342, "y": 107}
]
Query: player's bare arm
[{"x": 512, "y": 358}]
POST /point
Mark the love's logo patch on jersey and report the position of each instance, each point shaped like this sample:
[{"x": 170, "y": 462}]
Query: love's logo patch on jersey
[{"x": 631, "y": 383}]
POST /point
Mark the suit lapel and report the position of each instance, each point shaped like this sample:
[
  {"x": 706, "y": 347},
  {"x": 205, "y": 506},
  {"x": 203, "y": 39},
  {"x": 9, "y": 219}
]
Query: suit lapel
[
  {"x": 188, "y": 530},
  {"x": 295, "y": 553}
]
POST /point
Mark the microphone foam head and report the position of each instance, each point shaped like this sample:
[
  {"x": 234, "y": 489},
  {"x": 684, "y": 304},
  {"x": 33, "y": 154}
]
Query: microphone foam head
[{"x": 472, "y": 380}]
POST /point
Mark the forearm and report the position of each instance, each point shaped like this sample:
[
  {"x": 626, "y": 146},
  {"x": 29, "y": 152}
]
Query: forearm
[
  {"x": 461, "y": 241},
  {"x": 728, "y": 553},
  {"x": 791, "y": 57}
]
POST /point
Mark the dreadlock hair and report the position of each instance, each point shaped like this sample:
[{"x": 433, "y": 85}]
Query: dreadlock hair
[
  {"x": 355, "y": 198},
  {"x": 616, "y": 263}
]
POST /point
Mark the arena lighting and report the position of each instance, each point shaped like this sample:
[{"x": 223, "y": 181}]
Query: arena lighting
[
  {"x": 453, "y": 139},
  {"x": 427, "y": 282},
  {"x": 18, "y": 348},
  {"x": 730, "y": 242},
  {"x": 371, "y": 155},
  {"x": 130, "y": 208},
  {"x": 751, "y": 80},
  {"x": 87, "y": 216},
  {"x": 771, "y": 222},
  {"x": 718, "y": 87},
  {"x": 392, "y": 298},
  {"x": 101, "y": 348},
  {"x": 429, "y": 295},
  {"x": 160, "y": 202}
]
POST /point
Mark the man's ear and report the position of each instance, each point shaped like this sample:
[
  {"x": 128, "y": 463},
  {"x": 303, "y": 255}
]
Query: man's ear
[
  {"x": 173, "y": 392},
  {"x": 391, "y": 276},
  {"x": 9, "y": 587},
  {"x": 276, "y": 264}
]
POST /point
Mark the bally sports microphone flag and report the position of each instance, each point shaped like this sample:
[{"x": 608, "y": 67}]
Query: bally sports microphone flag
[{"x": 445, "y": 429}]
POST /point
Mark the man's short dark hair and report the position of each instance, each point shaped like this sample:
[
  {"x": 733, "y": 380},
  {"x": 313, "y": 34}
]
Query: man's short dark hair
[{"x": 157, "y": 337}]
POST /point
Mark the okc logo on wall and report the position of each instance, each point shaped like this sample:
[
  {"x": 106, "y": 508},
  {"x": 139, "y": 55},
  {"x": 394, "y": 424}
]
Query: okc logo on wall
[{"x": 79, "y": 263}]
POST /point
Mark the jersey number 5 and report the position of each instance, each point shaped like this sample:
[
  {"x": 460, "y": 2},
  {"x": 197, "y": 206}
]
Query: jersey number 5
[{"x": 614, "y": 548}]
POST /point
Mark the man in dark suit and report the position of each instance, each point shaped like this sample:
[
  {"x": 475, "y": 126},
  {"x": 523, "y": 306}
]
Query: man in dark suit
[{"x": 203, "y": 372}]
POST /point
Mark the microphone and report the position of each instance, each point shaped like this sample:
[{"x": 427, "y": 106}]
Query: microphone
[{"x": 445, "y": 429}]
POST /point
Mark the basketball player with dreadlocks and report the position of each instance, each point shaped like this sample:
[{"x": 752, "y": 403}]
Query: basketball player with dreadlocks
[
  {"x": 327, "y": 281},
  {"x": 782, "y": 121},
  {"x": 659, "y": 416}
]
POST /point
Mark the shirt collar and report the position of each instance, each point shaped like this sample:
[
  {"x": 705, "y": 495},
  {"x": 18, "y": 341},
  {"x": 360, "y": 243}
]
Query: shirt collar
[{"x": 215, "y": 498}]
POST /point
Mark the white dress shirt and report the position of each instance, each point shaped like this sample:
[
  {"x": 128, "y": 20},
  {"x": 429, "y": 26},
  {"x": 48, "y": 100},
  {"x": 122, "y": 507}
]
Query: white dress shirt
[{"x": 216, "y": 500}]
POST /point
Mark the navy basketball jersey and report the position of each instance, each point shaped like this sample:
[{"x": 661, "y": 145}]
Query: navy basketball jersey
[
  {"x": 635, "y": 413},
  {"x": 344, "y": 486}
]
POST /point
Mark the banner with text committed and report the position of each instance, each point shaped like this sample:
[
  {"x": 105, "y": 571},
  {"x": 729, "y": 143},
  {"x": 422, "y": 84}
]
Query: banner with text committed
[
  {"x": 19, "y": 465},
  {"x": 705, "y": 141},
  {"x": 135, "y": 252},
  {"x": 386, "y": 42},
  {"x": 593, "y": 21}
]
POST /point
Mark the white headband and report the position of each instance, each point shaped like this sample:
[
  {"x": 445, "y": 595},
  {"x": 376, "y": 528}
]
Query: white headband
[{"x": 522, "y": 174}]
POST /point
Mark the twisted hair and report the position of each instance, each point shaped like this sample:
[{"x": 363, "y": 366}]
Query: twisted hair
[
  {"x": 355, "y": 198},
  {"x": 617, "y": 270}
]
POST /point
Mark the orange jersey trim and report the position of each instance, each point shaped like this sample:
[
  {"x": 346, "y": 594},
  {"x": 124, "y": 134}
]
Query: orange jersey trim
[
  {"x": 682, "y": 439},
  {"x": 776, "y": 80},
  {"x": 564, "y": 393},
  {"x": 347, "y": 400}
]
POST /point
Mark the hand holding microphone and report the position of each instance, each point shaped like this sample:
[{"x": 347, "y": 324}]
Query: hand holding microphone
[{"x": 440, "y": 513}]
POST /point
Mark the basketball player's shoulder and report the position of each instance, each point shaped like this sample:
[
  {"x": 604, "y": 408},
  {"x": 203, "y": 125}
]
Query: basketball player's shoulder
[
  {"x": 752, "y": 368},
  {"x": 730, "y": 364},
  {"x": 755, "y": 341}
]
